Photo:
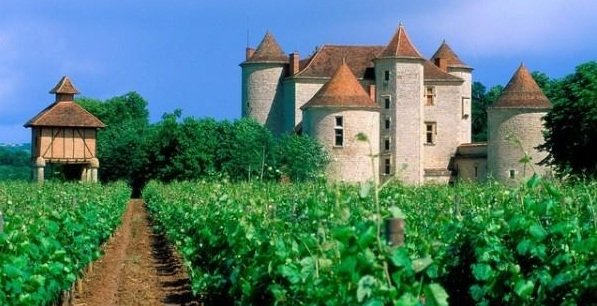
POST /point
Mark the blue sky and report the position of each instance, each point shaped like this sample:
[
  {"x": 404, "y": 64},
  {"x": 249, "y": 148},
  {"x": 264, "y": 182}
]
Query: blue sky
[{"x": 185, "y": 53}]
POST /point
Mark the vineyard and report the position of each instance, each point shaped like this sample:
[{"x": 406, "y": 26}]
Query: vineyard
[
  {"x": 50, "y": 233},
  {"x": 315, "y": 244}
]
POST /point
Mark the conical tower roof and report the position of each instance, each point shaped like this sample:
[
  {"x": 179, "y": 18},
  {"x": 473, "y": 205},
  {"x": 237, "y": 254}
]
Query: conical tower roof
[
  {"x": 64, "y": 86},
  {"x": 522, "y": 92},
  {"x": 268, "y": 51},
  {"x": 400, "y": 46},
  {"x": 445, "y": 52},
  {"x": 342, "y": 90}
]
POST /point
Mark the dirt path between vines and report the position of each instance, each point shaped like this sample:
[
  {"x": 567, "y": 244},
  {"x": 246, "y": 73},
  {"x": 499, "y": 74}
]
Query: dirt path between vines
[{"x": 139, "y": 268}]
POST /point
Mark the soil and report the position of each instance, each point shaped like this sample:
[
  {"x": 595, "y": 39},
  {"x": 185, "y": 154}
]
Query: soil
[{"x": 139, "y": 268}]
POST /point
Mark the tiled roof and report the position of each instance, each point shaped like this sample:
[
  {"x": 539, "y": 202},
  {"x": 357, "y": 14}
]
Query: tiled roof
[
  {"x": 433, "y": 73},
  {"x": 65, "y": 113},
  {"x": 522, "y": 91},
  {"x": 445, "y": 52},
  {"x": 400, "y": 46},
  {"x": 64, "y": 86},
  {"x": 328, "y": 58},
  {"x": 342, "y": 90},
  {"x": 269, "y": 51}
]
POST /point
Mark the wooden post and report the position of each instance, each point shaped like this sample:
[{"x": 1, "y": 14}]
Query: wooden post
[{"x": 395, "y": 231}]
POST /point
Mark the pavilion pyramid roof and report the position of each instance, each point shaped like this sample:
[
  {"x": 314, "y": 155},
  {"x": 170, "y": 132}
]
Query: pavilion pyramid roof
[{"x": 65, "y": 113}]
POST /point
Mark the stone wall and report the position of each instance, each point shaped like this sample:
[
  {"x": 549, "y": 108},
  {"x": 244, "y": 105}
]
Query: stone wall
[
  {"x": 447, "y": 114},
  {"x": 262, "y": 94},
  {"x": 512, "y": 132},
  {"x": 470, "y": 162},
  {"x": 351, "y": 162},
  {"x": 405, "y": 90}
]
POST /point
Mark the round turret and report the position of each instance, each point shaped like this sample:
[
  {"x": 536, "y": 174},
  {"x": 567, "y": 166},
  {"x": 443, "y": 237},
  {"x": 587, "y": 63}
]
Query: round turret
[
  {"x": 516, "y": 129},
  {"x": 262, "y": 73},
  {"x": 337, "y": 113}
]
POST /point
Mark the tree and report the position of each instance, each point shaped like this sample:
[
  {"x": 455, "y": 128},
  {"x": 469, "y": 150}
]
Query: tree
[
  {"x": 249, "y": 149},
  {"x": 301, "y": 158},
  {"x": 482, "y": 100},
  {"x": 570, "y": 137},
  {"x": 122, "y": 145}
]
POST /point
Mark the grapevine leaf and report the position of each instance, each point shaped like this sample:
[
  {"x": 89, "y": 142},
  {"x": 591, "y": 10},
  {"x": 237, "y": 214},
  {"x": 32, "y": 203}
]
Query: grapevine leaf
[
  {"x": 524, "y": 289},
  {"x": 482, "y": 271},
  {"x": 436, "y": 295},
  {"x": 396, "y": 212},
  {"x": 366, "y": 284},
  {"x": 421, "y": 264}
]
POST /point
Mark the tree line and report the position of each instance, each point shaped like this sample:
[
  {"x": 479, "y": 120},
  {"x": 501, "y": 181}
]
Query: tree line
[{"x": 180, "y": 148}]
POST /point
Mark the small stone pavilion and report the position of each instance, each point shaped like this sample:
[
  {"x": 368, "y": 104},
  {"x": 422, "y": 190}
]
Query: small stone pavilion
[{"x": 65, "y": 133}]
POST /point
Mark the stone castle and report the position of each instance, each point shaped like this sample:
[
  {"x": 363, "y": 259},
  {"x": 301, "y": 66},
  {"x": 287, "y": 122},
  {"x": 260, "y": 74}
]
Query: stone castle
[{"x": 415, "y": 112}]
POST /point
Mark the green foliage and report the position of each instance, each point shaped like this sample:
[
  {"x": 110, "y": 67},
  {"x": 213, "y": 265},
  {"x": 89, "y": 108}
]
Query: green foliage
[
  {"x": 263, "y": 244},
  {"x": 123, "y": 145},
  {"x": 14, "y": 163},
  {"x": 51, "y": 233},
  {"x": 480, "y": 101},
  {"x": 301, "y": 158},
  {"x": 570, "y": 137},
  {"x": 313, "y": 244}
]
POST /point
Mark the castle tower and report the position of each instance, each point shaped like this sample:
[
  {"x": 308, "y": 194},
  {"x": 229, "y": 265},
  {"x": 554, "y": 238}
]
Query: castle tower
[
  {"x": 65, "y": 133},
  {"x": 339, "y": 111},
  {"x": 515, "y": 130},
  {"x": 262, "y": 73},
  {"x": 447, "y": 60},
  {"x": 399, "y": 90}
]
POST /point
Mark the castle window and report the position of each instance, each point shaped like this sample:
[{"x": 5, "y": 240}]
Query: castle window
[
  {"x": 512, "y": 173},
  {"x": 387, "y": 166},
  {"x": 430, "y": 132},
  {"x": 339, "y": 132},
  {"x": 387, "y": 102},
  {"x": 386, "y": 144},
  {"x": 430, "y": 95},
  {"x": 386, "y": 75},
  {"x": 476, "y": 171},
  {"x": 466, "y": 107},
  {"x": 388, "y": 123}
]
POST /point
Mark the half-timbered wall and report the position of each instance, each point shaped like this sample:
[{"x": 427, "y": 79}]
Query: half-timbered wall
[{"x": 61, "y": 144}]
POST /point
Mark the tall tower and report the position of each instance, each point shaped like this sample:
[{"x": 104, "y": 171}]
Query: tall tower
[
  {"x": 262, "y": 74},
  {"x": 399, "y": 90},
  {"x": 447, "y": 60},
  {"x": 337, "y": 113},
  {"x": 515, "y": 130}
]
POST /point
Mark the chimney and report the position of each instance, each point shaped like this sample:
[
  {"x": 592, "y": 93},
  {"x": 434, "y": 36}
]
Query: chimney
[
  {"x": 442, "y": 63},
  {"x": 249, "y": 53},
  {"x": 372, "y": 91},
  {"x": 294, "y": 63}
]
